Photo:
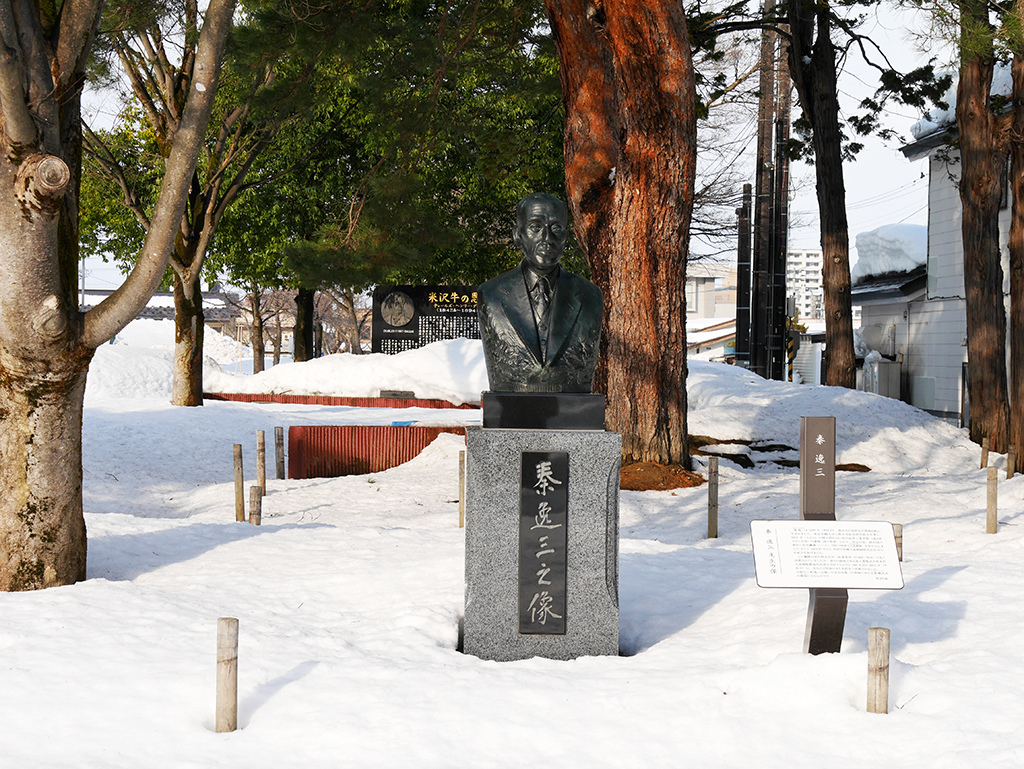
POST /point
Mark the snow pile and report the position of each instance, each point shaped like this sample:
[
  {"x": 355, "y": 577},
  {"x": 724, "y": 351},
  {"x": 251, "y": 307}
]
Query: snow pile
[
  {"x": 731, "y": 403},
  {"x": 890, "y": 248},
  {"x": 451, "y": 370},
  {"x": 939, "y": 119},
  {"x": 159, "y": 335}
]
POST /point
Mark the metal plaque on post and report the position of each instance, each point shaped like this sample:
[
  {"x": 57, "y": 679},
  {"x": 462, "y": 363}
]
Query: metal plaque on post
[
  {"x": 543, "y": 508},
  {"x": 817, "y": 468}
]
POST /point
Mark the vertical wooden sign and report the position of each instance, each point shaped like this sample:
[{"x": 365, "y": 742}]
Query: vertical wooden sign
[
  {"x": 826, "y": 612},
  {"x": 817, "y": 468},
  {"x": 543, "y": 513}
]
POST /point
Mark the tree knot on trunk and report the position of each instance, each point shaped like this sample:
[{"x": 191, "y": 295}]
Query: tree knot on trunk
[{"x": 41, "y": 184}]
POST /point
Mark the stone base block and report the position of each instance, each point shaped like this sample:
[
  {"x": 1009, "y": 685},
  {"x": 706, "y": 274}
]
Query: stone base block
[{"x": 497, "y": 541}]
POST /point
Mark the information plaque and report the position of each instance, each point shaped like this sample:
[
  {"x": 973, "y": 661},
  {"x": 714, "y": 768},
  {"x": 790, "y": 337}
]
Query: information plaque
[
  {"x": 826, "y": 554},
  {"x": 543, "y": 508},
  {"x": 407, "y": 317}
]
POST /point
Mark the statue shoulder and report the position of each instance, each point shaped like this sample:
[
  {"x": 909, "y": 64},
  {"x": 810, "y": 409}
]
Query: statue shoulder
[
  {"x": 586, "y": 290},
  {"x": 489, "y": 288}
]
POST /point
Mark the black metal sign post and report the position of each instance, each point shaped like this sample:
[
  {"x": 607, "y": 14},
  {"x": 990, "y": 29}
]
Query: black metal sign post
[
  {"x": 826, "y": 612},
  {"x": 543, "y": 508}
]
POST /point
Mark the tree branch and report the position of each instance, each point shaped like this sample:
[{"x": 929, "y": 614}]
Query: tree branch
[
  {"x": 20, "y": 127},
  {"x": 79, "y": 20},
  {"x": 114, "y": 313},
  {"x": 100, "y": 152}
]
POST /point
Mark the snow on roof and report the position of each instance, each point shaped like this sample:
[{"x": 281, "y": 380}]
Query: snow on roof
[
  {"x": 938, "y": 119},
  {"x": 892, "y": 248}
]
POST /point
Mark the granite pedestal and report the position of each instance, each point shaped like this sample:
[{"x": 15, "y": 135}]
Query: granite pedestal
[{"x": 496, "y": 558}]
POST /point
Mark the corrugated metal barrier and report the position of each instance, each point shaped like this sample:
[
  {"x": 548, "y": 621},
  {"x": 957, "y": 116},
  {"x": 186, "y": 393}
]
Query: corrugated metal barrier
[
  {"x": 327, "y": 451},
  {"x": 335, "y": 400}
]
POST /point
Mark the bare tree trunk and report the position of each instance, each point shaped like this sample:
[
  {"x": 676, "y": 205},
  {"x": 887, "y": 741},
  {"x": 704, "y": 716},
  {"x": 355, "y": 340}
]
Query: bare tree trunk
[
  {"x": 981, "y": 156},
  {"x": 189, "y": 328},
  {"x": 277, "y": 337},
  {"x": 630, "y": 151},
  {"x": 303, "y": 334},
  {"x": 812, "y": 63},
  {"x": 256, "y": 332},
  {"x": 46, "y": 343},
  {"x": 356, "y": 338}
]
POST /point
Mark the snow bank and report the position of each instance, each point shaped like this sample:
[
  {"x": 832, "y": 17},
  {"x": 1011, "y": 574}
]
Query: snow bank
[
  {"x": 890, "y": 248},
  {"x": 350, "y": 596},
  {"x": 451, "y": 370}
]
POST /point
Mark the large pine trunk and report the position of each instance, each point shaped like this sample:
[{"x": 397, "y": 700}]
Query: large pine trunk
[
  {"x": 630, "y": 152},
  {"x": 189, "y": 326},
  {"x": 1016, "y": 247},
  {"x": 812, "y": 63},
  {"x": 981, "y": 161}
]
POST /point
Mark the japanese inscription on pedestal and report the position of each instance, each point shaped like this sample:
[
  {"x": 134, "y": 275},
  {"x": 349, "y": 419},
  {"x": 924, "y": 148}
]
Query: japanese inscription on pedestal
[{"x": 543, "y": 510}]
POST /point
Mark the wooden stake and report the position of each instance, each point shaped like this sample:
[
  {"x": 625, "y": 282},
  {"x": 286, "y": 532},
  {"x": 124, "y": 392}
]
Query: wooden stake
[
  {"x": 897, "y": 530},
  {"x": 279, "y": 451},
  {"x": 1011, "y": 462},
  {"x": 261, "y": 461},
  {"x": 984, "y": 453},
  {"x": 712, "y": 497},
  {"x": 255, "y": 505},
  {"x": 227, "y": 674},
  {"x": 878, "y": 670},
  {"x": 239, "y": 488},
  {"x": 462, "y": 489},
  {"x": 991, "y": 523}
]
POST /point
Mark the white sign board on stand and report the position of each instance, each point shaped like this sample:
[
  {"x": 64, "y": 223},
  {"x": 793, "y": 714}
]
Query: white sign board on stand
[{"x": 826, "y": 554}]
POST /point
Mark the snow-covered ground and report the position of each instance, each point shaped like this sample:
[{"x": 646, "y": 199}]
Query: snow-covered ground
[{"x": 349, "y": 597}]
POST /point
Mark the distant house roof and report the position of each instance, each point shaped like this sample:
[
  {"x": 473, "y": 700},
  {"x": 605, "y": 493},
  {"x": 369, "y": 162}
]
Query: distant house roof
[
  {"x": 161, "y": 306},
  {"x": 923, "y": 146},
  {"x": 890, "y": 286}
]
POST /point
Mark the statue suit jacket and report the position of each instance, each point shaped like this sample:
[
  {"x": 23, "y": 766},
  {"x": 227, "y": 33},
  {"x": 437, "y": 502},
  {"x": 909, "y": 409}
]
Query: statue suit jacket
[{"x": 509, "y": 333}]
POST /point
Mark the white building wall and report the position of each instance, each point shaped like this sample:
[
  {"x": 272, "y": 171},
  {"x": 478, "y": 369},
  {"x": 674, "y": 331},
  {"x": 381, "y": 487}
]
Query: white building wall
[
  {"x": 804, "y": 282},
  {"x": 933, "y": 336}
]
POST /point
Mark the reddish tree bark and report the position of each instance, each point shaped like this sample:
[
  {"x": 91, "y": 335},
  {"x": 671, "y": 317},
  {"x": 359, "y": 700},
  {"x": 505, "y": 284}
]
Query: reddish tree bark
[
  {"x": 630, "y": 153},
  {"x": 1016, "y": 247},
  {"x": 982, "y": 152}
]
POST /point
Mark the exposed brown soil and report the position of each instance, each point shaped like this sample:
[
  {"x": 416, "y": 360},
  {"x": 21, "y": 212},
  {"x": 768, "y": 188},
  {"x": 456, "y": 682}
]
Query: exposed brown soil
[{"x": 649, "y": 476}]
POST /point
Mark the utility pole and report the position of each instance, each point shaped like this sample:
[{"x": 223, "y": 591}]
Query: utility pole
[
  {"x": 743, "y": 280},
  {"x": 763, "y": 203},
  {"x": 777, "y": 333},
  {"x": 767, "y": 341}
]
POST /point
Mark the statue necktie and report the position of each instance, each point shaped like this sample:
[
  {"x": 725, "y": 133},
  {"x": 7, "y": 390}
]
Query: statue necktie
[{"x": 543, "y": 304}]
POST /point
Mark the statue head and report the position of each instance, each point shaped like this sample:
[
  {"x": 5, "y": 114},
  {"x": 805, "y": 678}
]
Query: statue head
[{"x": 541, "y": 231}]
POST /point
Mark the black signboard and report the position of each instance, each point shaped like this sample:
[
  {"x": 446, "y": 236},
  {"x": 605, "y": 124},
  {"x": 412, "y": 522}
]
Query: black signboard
[
  {"x": 406, "y": 317},
  {"x": 543, "y": 513},
  {"x": 817, "y": 468}
]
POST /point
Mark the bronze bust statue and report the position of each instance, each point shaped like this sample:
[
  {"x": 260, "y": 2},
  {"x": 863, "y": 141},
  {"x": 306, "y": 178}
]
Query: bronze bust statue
[{"x": 540, "y": 324}]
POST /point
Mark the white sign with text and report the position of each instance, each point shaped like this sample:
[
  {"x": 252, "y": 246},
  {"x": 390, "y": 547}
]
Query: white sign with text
[{"x": 838, "y": 554}]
